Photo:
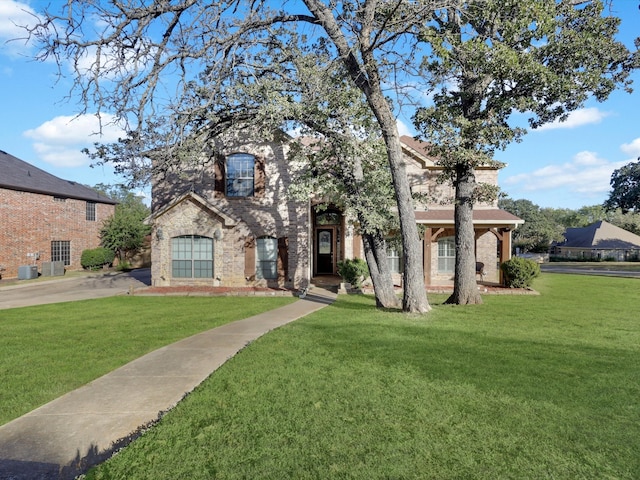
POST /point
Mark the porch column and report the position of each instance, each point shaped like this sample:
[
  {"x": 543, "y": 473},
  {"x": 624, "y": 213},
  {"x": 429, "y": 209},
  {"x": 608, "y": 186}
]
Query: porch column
[
  {"x": 505, "y": 251},
  {"x": 426, "y": 256}
]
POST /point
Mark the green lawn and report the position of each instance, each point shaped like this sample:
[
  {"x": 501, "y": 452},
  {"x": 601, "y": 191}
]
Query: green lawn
[
  {"x": 49, "y": 350},
  {"x": 521, "y": 387}
]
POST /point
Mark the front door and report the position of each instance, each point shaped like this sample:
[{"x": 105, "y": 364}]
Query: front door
[{"x": 325, "y": 250}]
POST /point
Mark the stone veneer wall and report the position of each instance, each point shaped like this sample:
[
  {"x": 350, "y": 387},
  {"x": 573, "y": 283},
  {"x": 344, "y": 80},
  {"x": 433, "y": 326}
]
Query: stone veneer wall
[{"x": 273, "y": 214}]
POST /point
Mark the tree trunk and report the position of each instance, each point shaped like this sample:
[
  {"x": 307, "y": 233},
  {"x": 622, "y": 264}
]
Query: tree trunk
[
  {"x": 414, "y": 298},
  {"x": 376, "y": 255},
  {"x": 374, "y": 249},
  {"x": 365, "y": 74},
  {"x": 465, "y": 288}
]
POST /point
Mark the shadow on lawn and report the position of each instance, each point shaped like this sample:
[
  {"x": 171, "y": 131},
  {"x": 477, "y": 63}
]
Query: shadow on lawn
[{"x": 565, "y": 374}]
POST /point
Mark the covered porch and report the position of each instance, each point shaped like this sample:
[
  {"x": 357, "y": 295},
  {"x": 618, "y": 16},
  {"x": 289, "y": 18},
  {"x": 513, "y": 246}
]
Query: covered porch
[{"x": 492, "y": 227}]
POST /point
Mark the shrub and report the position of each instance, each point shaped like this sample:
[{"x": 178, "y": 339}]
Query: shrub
[
  {"x": 96, "y": 258},
  {"x": 520, "y": 272},
  {"x": 353, "y": 271}
]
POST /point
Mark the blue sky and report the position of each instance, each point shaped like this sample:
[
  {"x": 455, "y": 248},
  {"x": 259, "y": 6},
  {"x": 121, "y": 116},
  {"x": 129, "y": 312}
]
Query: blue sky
[{"x": 564, "y": 165}]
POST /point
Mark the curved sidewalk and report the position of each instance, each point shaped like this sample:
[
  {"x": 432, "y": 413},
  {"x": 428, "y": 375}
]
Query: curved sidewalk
[{"x": 65, "y": 437}]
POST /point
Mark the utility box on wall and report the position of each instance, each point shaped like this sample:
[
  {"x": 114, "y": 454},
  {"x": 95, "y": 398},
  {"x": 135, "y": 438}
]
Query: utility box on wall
[
  {"x": 27, "y": 272},
  {"x": 52, "y": 269}
]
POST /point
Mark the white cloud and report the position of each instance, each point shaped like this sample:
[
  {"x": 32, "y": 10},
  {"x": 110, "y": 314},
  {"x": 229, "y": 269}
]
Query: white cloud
[
  {"x": 586, "y": 174},
  {"x": 404, "y": 129},
  {"x": 14, "y": 16},
  {"x": 59, "y": 141},
  {"x": 577, "y": 118},
  {"x": 632, "y": 148},
  {"x": 61, "y": 156}
]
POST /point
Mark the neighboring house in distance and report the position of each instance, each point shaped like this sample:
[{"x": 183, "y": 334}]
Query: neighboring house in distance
[
  {"x": 230, "y": 222},
  {"x": 44, "y": 218},
  {"x": 598, "y": 241}
]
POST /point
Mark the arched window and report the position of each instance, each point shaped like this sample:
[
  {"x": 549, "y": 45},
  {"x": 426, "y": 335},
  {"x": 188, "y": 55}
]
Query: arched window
[
  {"x": 446, "y": 255},
  {"x": 240, "y": 175},
  {"x": 192, "y": 257}
]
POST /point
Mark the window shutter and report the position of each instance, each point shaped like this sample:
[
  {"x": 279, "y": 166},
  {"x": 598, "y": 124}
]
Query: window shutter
[
  {"x": 357, "y": 243},
  {"x": 250, "y": 258},
  {"x": 219, "y": 180},
  {"x": 283, "y": 258},
  {"x": 259, "y": 180}
]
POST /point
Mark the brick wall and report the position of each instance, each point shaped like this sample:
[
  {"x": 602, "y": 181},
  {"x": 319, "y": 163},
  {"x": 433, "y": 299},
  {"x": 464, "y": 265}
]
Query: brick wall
[{"x": 29, "y": 222}]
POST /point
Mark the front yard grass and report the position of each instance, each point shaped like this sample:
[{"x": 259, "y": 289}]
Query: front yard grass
[
  {"x": 49, "y": 350},
  {"x": 521, "y": 387}
]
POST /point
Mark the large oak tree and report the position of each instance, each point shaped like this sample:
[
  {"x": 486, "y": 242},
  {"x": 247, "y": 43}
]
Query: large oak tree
[
  {"x": 138, "y": 60},
  {"x": 491, "y": 58}
]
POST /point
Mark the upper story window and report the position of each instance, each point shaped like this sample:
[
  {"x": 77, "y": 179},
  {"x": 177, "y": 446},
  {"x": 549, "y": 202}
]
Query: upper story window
[
  {"x": 91, "y": 211},
  {"x": 446, "y": 255},
  {"x": 240, "y": 175}
]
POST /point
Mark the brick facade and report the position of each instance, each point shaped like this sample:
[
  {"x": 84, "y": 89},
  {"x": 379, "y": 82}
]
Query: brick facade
[
  {"x": 29, "y": 222},
  {"x": 190, "y": 200}
]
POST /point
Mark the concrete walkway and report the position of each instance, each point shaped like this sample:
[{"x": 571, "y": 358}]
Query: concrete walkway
[{"x": 65, "y": 437}]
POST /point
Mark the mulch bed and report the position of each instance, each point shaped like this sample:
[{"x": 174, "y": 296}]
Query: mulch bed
[{"x": 187, "y": 290}]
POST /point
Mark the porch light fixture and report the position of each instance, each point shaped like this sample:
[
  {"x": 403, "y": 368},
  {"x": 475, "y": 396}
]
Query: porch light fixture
[
  {"x": 159, "y": 234},
  {"x": 217, "y": 234}
]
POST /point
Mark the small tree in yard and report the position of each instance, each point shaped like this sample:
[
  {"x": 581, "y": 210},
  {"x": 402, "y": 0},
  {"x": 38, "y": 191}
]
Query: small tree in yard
[{"x": 124, "y": 231}]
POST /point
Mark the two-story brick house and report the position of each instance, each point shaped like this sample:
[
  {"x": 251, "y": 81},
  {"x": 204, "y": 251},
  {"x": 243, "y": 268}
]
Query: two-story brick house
[
  {"x": 44, "y": 218},
  {"x": 229, "y": 221}
]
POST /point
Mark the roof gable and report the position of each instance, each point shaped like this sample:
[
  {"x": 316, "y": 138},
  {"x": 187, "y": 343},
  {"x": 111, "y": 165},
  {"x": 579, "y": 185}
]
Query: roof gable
[
  {"x": 228, "y": 220},
  {"x": 22, "y": 176},
  {"x": 417, "y": 150}
]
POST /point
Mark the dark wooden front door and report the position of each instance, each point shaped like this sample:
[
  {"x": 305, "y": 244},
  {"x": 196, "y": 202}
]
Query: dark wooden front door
[{"x": 325, "y": 251}]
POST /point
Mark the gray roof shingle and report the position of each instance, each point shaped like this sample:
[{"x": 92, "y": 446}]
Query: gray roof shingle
[
  {"x": 600, "y": 234},
  {"x": 16, "y": 174}
]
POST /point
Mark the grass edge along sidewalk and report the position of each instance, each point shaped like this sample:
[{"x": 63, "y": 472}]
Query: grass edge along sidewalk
[
  {"x": 49, "y": 350},
  {"x": 525, "y": 387}
]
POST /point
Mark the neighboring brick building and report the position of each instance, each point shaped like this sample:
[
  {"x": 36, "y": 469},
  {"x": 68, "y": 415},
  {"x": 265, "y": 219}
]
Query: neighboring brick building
[
  {"x": 44, "y": 218},
  {"x": 231, "y": 222}
]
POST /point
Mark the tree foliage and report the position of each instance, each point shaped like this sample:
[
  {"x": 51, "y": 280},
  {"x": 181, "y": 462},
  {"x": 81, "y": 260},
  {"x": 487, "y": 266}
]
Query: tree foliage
[
  {"x": 125, "y": 230},
  {"x": 625, "y": 188},
  {"x": 177, "y": 73},
  {"x": 543, "y": 226},
  {"x": 491, "y": 58}
]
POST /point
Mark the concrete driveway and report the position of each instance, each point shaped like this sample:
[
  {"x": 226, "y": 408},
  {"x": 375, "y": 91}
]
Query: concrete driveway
[{"x": 73, "y": 288}]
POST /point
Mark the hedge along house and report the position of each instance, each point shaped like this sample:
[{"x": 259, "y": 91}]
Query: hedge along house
[
  {"x": 44, "y": 218},
  {"x": 598, "y": 241},
  {"x": 227, "y": 220}
]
